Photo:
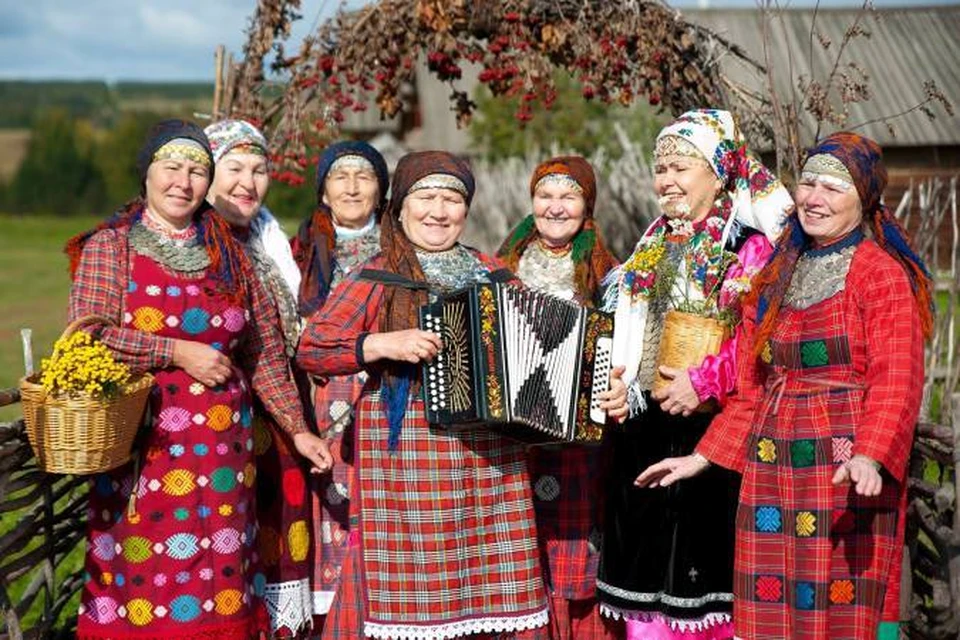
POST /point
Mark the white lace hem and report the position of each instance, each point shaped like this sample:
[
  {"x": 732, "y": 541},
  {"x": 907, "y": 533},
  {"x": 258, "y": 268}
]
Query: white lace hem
[
  {"x": 290, "y": 605},
  {"x": 703, "y": 623},
  {"x": 455, "y": 629},
  {"x": 322, "y": 601}
]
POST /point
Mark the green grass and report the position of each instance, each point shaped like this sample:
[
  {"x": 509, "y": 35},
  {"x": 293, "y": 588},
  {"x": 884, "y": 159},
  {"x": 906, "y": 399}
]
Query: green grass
[{"x": 34, "y": 284}]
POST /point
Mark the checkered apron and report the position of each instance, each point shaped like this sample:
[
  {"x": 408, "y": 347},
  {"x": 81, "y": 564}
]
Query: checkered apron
[
  {"x": 813, "y": 560},
  {"x": 447, "y": 532}
]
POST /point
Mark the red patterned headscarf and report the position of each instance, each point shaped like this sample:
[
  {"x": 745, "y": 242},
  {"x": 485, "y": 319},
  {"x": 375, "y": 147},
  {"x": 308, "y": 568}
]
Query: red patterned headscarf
[
  {"x": 591, "y": 258},
  {"x": 863, "y": 160}
]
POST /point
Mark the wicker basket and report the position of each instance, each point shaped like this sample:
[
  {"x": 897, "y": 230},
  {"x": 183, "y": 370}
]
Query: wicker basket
[
  {"x": 79, "y": 434},
  {"x": 687, "y": 339}
]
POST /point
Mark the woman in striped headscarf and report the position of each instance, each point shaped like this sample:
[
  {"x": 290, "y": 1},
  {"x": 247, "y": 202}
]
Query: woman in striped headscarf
[{"x": 823, "y": 423}]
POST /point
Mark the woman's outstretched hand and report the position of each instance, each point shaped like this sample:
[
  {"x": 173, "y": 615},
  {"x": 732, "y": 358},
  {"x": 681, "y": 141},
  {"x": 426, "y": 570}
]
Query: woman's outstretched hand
[
  {"x": 679, "y": 397},
  {"x": 863, "y": 472},
  {"x": 614, "y": 400},
  {"x": 409, "y": 345},
  {"x": 202, "y": 362},
  {"x": 669, "y": 470},
  {"x": 315, "y": 450}
]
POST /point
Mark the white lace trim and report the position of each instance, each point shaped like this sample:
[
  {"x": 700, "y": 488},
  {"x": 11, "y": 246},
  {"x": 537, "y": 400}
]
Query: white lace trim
[
  {"x": 322, "y": 601},
  {"x": 290, "y": 605},
  {"x": 704, "y": 623},
  {"x": 455, "y": 629}
]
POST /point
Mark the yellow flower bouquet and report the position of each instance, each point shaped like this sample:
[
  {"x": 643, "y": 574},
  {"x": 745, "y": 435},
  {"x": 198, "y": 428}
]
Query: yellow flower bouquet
[{"x": 83, "y": 409}]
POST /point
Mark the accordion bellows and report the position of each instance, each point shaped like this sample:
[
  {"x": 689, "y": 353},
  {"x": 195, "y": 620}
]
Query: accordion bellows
[{"x": 525, "y": 361}]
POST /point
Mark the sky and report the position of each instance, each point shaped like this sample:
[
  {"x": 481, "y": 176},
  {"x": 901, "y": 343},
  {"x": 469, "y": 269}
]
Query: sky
[{"x": 172, "y": 39}]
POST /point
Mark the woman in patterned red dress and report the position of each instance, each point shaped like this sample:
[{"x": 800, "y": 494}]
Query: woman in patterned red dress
[
  {"x": 446, "y": 542},
  {"x": 823, "y": 423},
  {"x": 558, "y": 249},
  {"x": 240, "y": 184},
  {"x": 342, "y": 234},
  {"x": 170, "y": 536}
]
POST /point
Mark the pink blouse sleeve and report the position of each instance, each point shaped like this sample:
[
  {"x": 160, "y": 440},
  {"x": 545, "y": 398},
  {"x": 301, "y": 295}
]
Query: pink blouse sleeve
[{"x": 716, "y": 376}]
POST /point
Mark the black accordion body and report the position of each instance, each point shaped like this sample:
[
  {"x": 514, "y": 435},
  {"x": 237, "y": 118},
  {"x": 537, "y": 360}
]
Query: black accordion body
[{"x": 526, "y": 361}]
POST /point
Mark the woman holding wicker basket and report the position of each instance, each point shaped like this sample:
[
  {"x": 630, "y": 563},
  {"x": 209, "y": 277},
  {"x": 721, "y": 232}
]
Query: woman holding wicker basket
[
  {"x": 666, "y": 562},
  {"x": 170, "y": 535}
]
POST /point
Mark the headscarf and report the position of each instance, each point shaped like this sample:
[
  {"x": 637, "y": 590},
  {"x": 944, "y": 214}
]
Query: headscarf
[
  {"x": 592, "y": 261},
  {"x": 757, "y": 200},
  {"x": 239, "y": 136},
  {"x": 401, "y": 304},
  {"x": 862, "y": 160},
  {"x": 228, "y": 261},
  {"x": 167, "y": 131},
  {"x": 317, "y": 238},
  {"x": 235, "y": 136}
]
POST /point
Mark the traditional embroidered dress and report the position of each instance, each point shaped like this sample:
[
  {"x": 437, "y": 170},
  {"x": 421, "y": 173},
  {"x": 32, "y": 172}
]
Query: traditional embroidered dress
[
  {"x": 567, "y": 479},
  {"x": 334, "y": 399},
  {"x": 446, "y": 541},
  {"x": 840, "y": 356},
  {"x": 170, "y": 549},
  {"x": 667, "y": 555},
  {"x": 325, "y": 254},
  {"x": 839, "y": 376},
  {"x": 283, "y": 501},
  {"x": 283, "y": 509}
]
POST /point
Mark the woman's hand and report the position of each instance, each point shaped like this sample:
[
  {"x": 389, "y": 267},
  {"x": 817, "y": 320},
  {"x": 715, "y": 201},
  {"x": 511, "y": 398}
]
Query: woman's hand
[
  {"x": 679, "y": 397},
  {"x": 202, "y": 362},
  {"x": 409, "y": 345},
  {"x": 315, "y": 450},
  {"x": 864, "y": 472},
  {"x": 669, "y": 470},
  {"x": 614, "y": 400}
]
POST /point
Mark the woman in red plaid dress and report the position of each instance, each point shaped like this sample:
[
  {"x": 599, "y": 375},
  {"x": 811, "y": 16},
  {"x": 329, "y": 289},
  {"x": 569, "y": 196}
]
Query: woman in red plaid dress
[
  {"x": 446, "y": 543},
  {"x": 342, "y": 234},
  {"x": 558, "y": 249},
  {"x": 823, "y": 422},
  {"x": 170, "y": 535}
]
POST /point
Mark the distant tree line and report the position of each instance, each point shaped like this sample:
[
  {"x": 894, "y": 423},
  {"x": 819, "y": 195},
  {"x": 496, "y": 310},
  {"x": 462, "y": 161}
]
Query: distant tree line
[{"x": 99, "y": 102}]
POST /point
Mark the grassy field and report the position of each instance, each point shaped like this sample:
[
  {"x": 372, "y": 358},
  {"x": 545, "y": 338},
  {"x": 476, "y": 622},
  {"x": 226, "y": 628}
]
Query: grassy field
[{"x": 33, "y": 288}]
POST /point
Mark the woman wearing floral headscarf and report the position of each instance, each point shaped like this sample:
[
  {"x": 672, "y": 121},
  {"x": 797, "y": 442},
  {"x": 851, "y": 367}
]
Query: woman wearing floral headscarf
[
  {"x": 666, "y": 562},
  {"x": 558, "y": 249},
  {"x": 170, "y": 537},
  {"x": 445, "y": 543},
  {"x": 823, "y": 423},
  {"x": 239, "y": 186},
  {"x": 342, "y": 234}
]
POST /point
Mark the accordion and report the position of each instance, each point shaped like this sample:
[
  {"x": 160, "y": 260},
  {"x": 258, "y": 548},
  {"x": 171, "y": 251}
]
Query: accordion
[{"x": 527, "y": 362}]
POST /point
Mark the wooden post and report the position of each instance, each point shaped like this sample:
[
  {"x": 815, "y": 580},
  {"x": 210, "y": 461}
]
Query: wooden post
[{"x": 217, "y": 81}]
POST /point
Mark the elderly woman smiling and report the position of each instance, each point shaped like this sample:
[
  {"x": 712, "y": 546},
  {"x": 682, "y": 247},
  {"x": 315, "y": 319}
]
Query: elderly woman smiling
[
  {"x": 342, "y": 234},
  {"x": 170, "y": 537}
]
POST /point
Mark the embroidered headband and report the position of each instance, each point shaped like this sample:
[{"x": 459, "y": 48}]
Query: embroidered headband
[
  {"x": 561, "y": 179},
  {"x": 183, "y": 149},
  {"x": 352, "y": 161},
  {"x": 827, "y": 168},
  {"x": 670, "y": 145},
  {"x": 439, "y": 181}
]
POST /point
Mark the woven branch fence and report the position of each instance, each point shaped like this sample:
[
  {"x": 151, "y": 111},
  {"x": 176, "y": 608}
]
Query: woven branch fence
[{"x": 42, "y": 516}]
